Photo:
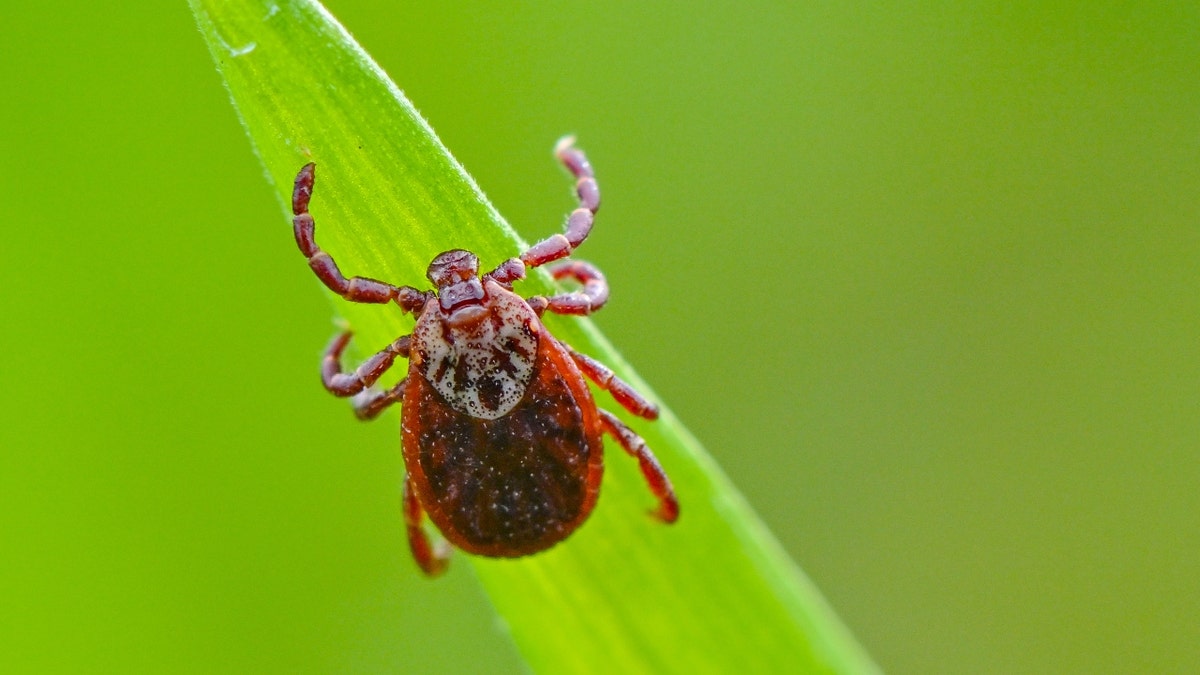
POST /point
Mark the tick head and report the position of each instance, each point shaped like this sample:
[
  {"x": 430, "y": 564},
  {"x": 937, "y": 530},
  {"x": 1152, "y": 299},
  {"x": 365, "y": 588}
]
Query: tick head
[
  {"x": 460, "y": 292},
  {"x": 452, "y": 267}
]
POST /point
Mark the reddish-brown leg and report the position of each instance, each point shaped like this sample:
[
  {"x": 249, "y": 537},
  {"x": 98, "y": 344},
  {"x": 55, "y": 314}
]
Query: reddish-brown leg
[
  {"x": 355, "y": 289},
  {"x": 584, "y": 301},
  {"x": 432, "y": 560},
  {"x": 370, "y": 402},
  {"x": 656, "y": 478},
  {"x": 507, "y": 272},
  {"x": 579, "y": 223},
  {"x": 348, "y": 384},
  {"x": 607, "y": 380}
]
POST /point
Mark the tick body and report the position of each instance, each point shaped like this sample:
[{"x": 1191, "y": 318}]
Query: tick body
[{"x": 502, "y": 439}]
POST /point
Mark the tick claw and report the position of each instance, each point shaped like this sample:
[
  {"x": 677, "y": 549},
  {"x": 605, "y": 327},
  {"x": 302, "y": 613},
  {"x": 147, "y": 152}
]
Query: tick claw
[
  {"x": 437, "y": 566},
  {"x": 667, "y": 512}
]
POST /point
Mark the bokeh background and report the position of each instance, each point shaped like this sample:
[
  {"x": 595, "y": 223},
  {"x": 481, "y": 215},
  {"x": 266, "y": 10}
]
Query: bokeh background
[{"x": 922, "y": 278}]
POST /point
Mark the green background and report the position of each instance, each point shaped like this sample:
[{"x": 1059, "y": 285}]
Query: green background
[{"x": 922, "y": 280}]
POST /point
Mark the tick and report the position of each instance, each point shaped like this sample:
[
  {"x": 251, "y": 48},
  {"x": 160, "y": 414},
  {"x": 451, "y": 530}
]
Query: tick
[{"x": 501, "y": 436}]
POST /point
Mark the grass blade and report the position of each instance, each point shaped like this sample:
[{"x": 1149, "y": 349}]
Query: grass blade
[{"x": 712, "y": 593}]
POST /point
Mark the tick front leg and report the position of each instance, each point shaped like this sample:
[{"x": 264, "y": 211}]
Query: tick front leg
[
  {"x": 656, "y": 478},
  {"x": 349, "y": 384},
  {"x": 432, "y": 560},
  {"x": 355, "y": 289},
  {"x": 607, "y": 380},
  {"x": 579, "y": 223}
]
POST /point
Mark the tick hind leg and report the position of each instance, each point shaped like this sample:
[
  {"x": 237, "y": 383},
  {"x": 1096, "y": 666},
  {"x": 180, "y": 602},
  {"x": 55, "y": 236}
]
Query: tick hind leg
[
  {"x": 432, "y": 560},
  {"x": 368, "y": 403},
  {"x": 656, "y": 478}
]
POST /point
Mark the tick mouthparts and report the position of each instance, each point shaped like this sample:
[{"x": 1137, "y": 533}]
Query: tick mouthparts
[{"x": 452, "y": 266}]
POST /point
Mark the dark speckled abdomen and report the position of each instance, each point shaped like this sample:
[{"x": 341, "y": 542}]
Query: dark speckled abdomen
[{"x": 514, "y": 485}]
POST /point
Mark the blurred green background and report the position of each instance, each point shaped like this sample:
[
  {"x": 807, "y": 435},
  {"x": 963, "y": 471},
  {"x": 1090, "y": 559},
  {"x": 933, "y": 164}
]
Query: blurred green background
[{"x": 923, "y": 280}]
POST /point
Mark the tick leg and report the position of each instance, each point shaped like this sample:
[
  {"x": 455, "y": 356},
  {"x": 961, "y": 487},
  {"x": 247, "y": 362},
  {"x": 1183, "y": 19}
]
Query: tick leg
[
  {"x": 507, "y": 272},
  {"x": 579, "y": 223},
  {"x": 432, "y": 560},
  {"x": 349, "y": 384},
  {"x": 355, "y": 289},
  {"x": 656, "y": 478},
  {"x": 588, "y": 299},
  {"x": 604, "y": 377},
  {"x": 370, "y": 402}
]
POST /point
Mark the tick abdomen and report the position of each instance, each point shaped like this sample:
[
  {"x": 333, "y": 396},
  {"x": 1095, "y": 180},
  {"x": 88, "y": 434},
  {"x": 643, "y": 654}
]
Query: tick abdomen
[{"x": 514, "y": 485}]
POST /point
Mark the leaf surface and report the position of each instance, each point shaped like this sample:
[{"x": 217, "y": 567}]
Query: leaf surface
[{"x": 713, "y": 593}]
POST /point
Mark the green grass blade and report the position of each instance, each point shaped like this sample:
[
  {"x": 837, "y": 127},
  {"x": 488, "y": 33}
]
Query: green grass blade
[{"x": 714, "y": 593}]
